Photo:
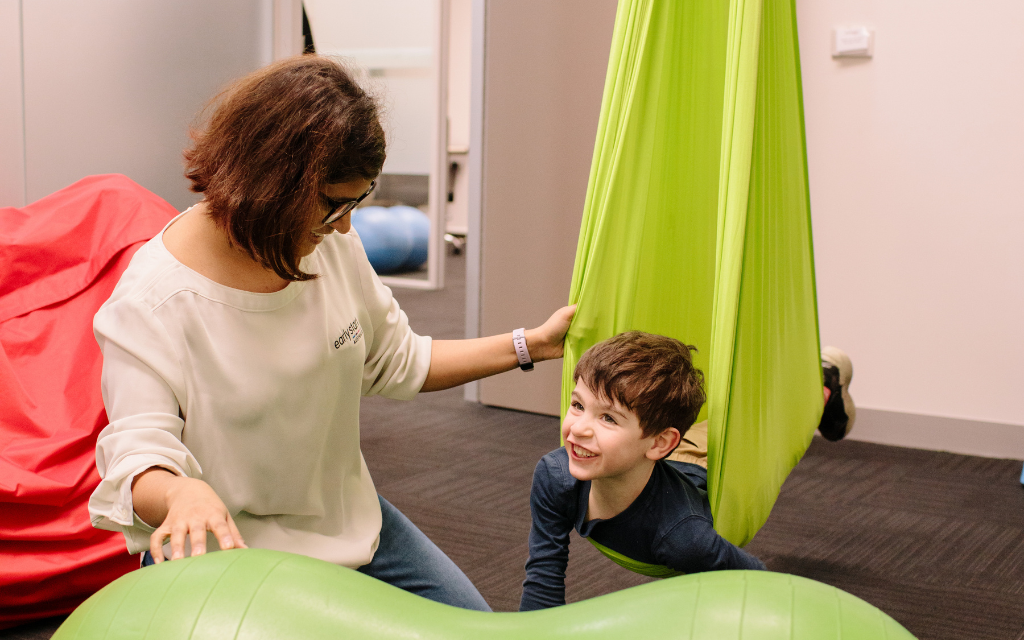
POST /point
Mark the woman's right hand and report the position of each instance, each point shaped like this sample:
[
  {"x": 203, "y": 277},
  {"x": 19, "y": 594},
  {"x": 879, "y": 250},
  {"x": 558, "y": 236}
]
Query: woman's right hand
[{"x": 192, "y": 508}]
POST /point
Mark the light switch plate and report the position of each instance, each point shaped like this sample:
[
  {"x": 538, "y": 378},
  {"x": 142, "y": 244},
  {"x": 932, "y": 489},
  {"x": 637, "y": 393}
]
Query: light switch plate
[{"x": 853, "y": 42}]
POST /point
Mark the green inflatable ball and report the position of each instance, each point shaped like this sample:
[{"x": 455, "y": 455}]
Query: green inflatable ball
[{"x": 254, "y": 593}]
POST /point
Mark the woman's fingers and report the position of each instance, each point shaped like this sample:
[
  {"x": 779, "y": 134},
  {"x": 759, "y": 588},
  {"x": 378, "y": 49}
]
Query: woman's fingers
[
  {"x": 224, "y": 535},
  {"x": 193, "y": 509},
  {"x": 559, "y": 321},
  {"x": 239, "y": 542},
  {"x": 178, "y": 531},
  {"x": 156, "y": 544},
  {"x": 197, "y": 537},
  {"x": 228, "y": 535},
  {"x": 224, "y": 530},
  {"x": 552, "y": 333}
]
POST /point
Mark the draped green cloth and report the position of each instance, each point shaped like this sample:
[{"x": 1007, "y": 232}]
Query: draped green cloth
[{"x": 697, "y": 226}]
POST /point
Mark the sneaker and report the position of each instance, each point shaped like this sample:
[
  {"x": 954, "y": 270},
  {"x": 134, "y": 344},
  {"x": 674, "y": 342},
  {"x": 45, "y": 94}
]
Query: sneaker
[{"x": 840, "y": 412}]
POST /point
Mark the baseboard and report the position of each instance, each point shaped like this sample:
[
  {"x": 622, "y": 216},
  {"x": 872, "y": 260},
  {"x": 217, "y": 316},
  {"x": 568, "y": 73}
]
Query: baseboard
[{"x": 970, "y": 437}]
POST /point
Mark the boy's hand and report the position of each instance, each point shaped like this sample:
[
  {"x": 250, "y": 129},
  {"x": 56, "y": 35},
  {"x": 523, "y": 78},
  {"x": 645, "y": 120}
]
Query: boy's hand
[{"x": 546, "y": 341}]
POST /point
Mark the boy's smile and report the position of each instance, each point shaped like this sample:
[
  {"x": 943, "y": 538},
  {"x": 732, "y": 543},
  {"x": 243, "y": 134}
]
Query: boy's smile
[{"x": 580, "y": 452}]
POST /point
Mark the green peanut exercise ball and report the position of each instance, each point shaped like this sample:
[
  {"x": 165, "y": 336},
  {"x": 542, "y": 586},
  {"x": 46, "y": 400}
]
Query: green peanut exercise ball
[{"x": 258, "y": 594}]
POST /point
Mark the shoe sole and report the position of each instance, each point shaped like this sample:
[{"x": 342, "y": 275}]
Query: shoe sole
[{"x": 838, "y": 358}]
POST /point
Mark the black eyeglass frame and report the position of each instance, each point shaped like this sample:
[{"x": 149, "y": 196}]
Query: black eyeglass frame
[{"x": 338, "y": 208}]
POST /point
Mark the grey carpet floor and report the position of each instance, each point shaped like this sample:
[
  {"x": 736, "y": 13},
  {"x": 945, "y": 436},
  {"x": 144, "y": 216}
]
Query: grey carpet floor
[{"x": 935, "y": 540}]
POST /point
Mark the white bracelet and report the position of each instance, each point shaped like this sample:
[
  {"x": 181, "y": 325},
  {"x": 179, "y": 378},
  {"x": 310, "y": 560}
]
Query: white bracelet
[{"x": 519, "y": 342}]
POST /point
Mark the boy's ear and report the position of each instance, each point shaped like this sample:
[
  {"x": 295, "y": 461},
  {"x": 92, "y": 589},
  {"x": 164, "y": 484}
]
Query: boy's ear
[{"x": 664, "y": 443}]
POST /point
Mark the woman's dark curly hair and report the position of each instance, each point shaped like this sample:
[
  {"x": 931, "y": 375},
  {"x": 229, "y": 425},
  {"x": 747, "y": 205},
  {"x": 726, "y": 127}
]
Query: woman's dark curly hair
[{"x": 273, "y": 140}]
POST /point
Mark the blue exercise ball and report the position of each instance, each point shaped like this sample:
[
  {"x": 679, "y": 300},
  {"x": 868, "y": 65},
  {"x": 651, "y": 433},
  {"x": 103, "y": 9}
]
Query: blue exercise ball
[
  {"x": 387, "y": 244},
  {"x": 418, "y": 225}
]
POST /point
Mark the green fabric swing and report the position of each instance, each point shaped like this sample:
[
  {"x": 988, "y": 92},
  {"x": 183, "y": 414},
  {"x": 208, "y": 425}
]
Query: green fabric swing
[{"x": 697, "y": 226}]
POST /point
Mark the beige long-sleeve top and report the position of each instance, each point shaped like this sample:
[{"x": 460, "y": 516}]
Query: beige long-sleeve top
[{"x": 256, "y": 394}]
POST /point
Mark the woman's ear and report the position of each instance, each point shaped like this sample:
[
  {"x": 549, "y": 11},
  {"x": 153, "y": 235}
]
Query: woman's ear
[{"x": 664, "y": 443}]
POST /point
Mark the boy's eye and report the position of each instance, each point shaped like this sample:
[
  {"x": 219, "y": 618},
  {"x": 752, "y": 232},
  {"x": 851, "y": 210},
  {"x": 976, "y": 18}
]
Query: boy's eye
[
  {"x": 608, "y": 418},
  {"x": 576, "y": 405}
]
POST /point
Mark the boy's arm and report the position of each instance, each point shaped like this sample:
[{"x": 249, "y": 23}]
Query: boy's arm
[
  {"x": 551, "y": 506},
  {"x": 693, "y": 546}
]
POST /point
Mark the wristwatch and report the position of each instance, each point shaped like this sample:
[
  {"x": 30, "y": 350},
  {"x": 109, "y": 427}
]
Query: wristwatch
[{"x": 519, "y": 342}]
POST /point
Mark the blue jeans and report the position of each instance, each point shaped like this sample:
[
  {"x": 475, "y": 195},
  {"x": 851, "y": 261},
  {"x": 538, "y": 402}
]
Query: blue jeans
[{"x": 407, "y": 559}]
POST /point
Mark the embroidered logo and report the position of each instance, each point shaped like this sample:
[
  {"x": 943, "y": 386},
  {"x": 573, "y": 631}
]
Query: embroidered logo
[{"x": 353, "y": 333}]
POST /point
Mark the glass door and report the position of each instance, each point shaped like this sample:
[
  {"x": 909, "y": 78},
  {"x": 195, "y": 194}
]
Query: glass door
[{"x": 398, "y": 49}]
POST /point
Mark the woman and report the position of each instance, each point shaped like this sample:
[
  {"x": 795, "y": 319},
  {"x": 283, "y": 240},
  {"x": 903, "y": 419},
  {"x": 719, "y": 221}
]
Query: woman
[{"x": 238, "y": 342}]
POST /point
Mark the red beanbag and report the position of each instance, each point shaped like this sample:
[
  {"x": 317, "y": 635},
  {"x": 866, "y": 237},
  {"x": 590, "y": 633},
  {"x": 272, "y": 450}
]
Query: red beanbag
[{"x": 60, "y": 258}]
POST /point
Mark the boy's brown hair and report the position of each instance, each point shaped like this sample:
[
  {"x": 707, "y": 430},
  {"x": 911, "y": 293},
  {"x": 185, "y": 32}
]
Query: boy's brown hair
[
  {"x": 274, "y": 139},
  {"x": 653, "y": 376}
]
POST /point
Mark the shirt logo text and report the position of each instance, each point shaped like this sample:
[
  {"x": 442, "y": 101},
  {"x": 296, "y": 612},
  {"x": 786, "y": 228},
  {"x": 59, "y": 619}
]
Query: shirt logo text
[{"x": 353, "y": 333}]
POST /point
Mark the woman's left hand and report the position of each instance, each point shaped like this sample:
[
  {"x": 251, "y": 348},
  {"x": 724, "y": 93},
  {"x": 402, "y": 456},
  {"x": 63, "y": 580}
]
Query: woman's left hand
[
  {"x": 455, "y": 362},
  {"x": 546, "y": 341}
]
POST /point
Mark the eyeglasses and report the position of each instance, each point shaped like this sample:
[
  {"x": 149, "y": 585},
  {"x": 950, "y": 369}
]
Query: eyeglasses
[{"x": 338, "y": 208}]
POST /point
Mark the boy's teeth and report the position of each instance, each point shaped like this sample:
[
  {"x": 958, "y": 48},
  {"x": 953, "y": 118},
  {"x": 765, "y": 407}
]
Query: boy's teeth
[{"x": 581, "y": 452}]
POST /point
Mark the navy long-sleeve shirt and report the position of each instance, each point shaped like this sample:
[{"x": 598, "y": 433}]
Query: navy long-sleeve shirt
[{"x": 669, "y": 524}]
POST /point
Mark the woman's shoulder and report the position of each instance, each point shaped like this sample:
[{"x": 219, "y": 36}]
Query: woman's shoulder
[
  {"x": 149, "y": 272},
  {"x": 342, "y": 251},
  {"x": 144, "y": 283},
  {"x": 341, "y": 258}
]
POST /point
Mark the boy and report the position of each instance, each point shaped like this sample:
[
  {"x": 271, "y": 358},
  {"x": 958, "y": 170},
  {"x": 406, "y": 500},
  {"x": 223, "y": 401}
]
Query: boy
[{"x": 636, "y": 396}]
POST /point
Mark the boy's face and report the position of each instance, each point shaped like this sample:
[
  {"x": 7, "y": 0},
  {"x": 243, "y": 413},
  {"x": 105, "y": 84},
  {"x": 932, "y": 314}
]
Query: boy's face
[{"x": 603, "y": 439}]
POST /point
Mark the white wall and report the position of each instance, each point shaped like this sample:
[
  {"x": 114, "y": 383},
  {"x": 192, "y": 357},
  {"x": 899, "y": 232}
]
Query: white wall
[
  {"x": 915, "y": 160},
  {"x": 459, "y": 56},
  {"x": 111, "y": 86},
  {"x": 12, "y": 125}
]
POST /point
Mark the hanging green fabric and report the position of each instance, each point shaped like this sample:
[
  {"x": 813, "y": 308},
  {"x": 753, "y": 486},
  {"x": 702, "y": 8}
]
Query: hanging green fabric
[{"x": 697, "y": 226}]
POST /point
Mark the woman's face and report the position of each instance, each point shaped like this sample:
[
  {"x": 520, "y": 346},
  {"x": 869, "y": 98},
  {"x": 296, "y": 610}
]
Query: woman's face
[{"x": 338, "y": 192}]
